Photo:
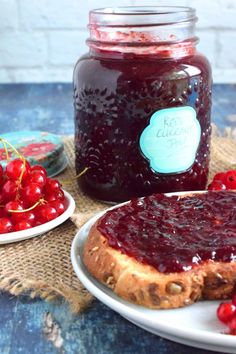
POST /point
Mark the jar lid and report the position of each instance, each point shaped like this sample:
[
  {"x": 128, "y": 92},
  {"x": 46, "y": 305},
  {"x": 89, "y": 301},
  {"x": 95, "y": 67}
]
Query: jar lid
[{"x": 39, "y": 148}]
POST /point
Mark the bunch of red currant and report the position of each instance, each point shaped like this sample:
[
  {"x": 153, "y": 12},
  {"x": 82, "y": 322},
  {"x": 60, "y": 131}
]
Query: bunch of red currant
[
  {"x": 226, "y": 313},
  {"x": 223, "y": 181},
  {"x": 27, "y": 197}
]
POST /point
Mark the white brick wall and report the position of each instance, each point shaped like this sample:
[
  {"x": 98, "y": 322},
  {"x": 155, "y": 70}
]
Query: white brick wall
[{"x": 40, "y": 40}]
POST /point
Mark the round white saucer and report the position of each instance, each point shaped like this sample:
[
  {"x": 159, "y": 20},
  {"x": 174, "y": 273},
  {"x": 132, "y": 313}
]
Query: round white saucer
[
  {"x": 41, "y": 229},
  {"x": 195, "y": 325}
]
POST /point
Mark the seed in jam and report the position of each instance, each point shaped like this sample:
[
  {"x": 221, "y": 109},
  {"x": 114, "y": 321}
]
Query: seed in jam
[{"x": 174, "y": 234}]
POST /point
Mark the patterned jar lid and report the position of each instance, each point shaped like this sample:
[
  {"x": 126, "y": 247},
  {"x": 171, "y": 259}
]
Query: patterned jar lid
[{"x": 39, "y": 148}]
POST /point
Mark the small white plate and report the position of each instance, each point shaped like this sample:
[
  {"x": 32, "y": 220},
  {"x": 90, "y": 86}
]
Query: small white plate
[
  {"x": 195, "y": 325},
  {"x": 41, "y": 229}
]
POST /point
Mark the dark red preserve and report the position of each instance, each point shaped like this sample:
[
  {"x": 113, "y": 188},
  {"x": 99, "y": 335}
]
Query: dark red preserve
[
  {"x": 142, "y": 98},
  {"x": 175, "y": 234}
]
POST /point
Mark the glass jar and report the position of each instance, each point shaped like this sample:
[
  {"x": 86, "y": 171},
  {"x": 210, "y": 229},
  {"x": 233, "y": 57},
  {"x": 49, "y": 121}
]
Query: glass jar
[{"x": 142, "y": 98}]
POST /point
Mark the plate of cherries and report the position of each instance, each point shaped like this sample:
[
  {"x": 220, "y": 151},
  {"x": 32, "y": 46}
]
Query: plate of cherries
[{"x": 30, "y": 202}]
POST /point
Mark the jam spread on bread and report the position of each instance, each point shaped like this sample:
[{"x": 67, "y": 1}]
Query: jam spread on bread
[{"x": 174, "y": 234}]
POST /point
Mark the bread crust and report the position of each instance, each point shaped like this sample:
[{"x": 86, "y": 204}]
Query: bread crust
[{"x": 143, "y": 285}]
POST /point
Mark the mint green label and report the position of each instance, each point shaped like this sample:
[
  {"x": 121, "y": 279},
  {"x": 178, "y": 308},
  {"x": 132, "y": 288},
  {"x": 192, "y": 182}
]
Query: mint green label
[{"x": 171, "y": 139}]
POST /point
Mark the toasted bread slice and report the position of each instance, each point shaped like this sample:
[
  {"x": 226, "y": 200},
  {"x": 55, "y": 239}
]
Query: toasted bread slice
[{"x": 144, "y": 285}]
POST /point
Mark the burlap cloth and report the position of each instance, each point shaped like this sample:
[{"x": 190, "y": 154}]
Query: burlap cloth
[{"x": 41, "y": 266}]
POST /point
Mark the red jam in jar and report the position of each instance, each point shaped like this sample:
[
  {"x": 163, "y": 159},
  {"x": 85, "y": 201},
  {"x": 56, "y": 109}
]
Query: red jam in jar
[{"x": 142, "y": 99}]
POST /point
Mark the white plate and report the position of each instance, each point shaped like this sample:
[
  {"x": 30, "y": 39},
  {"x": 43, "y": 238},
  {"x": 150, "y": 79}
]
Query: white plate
[
  {"x": 41, "y": 229},
  {"x": 195, "y": 325}
]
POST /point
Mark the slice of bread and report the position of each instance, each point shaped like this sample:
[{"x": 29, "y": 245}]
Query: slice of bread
[{"x": 144, "y": 285}]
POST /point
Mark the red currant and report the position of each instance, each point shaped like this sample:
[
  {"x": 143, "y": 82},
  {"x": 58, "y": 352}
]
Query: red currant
[
  {"x": 220, "y": 177},
  {"x": 232, "y": 324},
  {"x": 234, "y": 299},
  {"x": 50, "y": 198},
  {"x": 9, "y": 190},
  {"x": 216, "y": 186},
  {"x": 225, "y": 312},
  {"x": 1, "y": 172},
  {"x": 31, "y": 194},
  {"x": 59, "y": 206},
  {"x": 29, "y": 216},
  {"x": 40, "y": 169},
  {"x": 5, "y": 225},
  {"x": 15, "y": 168},
  {"x": 230, "y": 179},
  {"x": 2, "y": 213},
  {"x": 36, "y": 177},
  {"x": 18, "y": 194},
  {"x": 1, "y": 182},
  {"x": 60, "y": 194},
  {"x": 13, "y": 205},
  {"x": 52, "y": 186},
  {"x": 22, "y": 225},
  {"x": 18, "y": 216},
  {"x": 46, "y": 213}
]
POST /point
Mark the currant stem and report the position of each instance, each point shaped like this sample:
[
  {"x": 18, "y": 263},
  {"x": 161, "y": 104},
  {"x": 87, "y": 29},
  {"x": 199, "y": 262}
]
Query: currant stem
[
  {"x": 40, "y": 201},
  {"x": 6, "y": 151},
  {"x": 5, "y": 143},
  {"x": 81, "y": 173},
  {"x": 66, "y": 181},
  {"x": 23, "y": 170},
  {"x": 12, "y": 147}
]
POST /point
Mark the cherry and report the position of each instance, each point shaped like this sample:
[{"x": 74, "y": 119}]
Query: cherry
[
  {"x": 216, "y": 185},
  {"x": 9, "y": 190},
  {"x": 46, "y": 213},
  {"x": 15, "y": 168},
  {"x": 5, "y": 225},
  {"x": 22, "y": 225},
  {"x": 31, "y": 194},
  {"x": 52, "y": 186},
  {"x": 59, "y": 206},
  {"x": 40, "y": 169},
  {"x": 225, "y": 312},
  {"x": 230, "y": 179}
]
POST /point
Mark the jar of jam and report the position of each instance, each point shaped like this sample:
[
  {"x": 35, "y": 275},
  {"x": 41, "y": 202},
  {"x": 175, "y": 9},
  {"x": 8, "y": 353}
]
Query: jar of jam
[{"x": 142, "y": 98}]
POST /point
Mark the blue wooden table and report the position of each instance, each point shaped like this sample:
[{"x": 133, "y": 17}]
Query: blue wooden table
[{"x": 33, "y": 326}]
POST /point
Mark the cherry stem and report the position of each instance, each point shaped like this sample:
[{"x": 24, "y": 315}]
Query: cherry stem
[{"x": 40, "y": 201}]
